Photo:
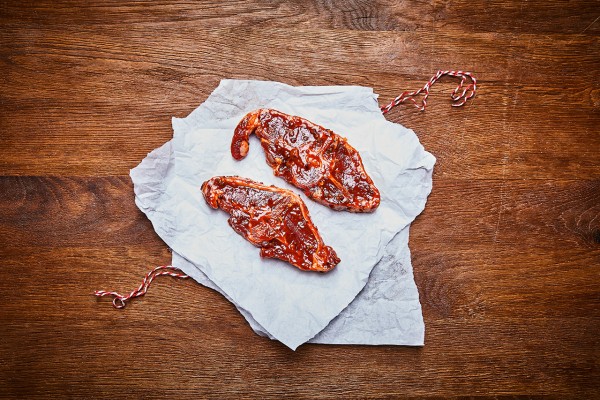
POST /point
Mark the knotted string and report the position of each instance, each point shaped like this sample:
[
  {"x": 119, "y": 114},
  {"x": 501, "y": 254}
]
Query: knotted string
[
  {"x": 458, "y": 99},
  {"x": 119, "y": 300}
]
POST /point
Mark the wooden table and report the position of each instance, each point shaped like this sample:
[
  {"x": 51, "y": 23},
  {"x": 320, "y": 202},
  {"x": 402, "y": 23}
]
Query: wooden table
[{"x": 506, "y": 254}]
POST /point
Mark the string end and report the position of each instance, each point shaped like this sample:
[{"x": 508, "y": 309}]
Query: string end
[
  {"x": 458, "y": 100},
  {"x": 119, "y": 300}
]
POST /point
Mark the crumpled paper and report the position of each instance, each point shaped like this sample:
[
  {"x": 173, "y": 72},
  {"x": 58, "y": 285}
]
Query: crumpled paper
[
  {"x": 386, "y": 311},
  {"x": 277, "y": 299}
]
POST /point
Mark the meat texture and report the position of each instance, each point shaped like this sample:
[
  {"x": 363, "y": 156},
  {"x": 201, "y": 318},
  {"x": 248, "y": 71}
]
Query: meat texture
[
  {"x": 310, "y": 157},
  {"x": 274, "y": 219}
]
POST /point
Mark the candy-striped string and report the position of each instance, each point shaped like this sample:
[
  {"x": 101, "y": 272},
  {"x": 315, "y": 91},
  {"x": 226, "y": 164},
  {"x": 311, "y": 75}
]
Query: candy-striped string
[
  {"x": 120, "y": 300},
  {"x": 458, "y": 99}
]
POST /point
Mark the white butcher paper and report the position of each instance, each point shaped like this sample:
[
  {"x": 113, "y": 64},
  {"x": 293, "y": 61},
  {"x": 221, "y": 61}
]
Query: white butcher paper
[
  {"x": 386, "y": 311},
  {"x": 290, "y": 305}
]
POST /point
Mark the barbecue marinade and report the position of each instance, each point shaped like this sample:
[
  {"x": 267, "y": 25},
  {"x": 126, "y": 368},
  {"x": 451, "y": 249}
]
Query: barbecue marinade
[
  {"x": 310, "y": 157},
  {"x": 274, "y": 219}
]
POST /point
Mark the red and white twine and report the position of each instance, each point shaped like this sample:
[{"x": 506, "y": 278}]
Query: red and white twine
[
  {"x": 458, "y": 100},
  {"x": 119, "y": 300}
]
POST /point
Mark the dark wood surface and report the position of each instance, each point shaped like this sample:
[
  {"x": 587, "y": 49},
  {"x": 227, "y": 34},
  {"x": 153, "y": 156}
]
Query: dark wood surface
[{"x": 506, "y": 254}]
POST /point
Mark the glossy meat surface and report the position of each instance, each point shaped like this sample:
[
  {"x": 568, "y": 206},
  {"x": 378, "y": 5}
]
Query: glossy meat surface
[
  {"x": 274, "y": 219},
  {"x": 310, "y": 157}
]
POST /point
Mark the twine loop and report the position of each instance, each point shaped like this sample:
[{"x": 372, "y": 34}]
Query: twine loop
[
  {"x": 120, "y": 301},
  {"x": 458, "y": 99}
]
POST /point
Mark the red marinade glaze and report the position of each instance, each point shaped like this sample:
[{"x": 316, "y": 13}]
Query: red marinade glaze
[
  {"x": 310, "y": 157},
  {"x": 274, "y": 219}
]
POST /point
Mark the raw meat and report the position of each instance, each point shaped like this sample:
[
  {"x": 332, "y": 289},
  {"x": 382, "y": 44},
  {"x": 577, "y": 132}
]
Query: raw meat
[
  {"x": 310, "y": 157},
  {"x": 274, "y": 219}
]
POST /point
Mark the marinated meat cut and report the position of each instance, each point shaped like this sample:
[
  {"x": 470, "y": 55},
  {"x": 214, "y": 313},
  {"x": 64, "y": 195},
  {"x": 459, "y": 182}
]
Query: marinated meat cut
[
  {"x": 274, "y": 219},
  {"x": 310, "y": 157}
]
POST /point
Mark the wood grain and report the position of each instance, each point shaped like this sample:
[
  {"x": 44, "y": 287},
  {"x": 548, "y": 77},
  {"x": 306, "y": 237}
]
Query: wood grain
[
  {"x": 506, "y": 255},
  {"x": 133, "y": 83},
  {"x": 380, "y": 15}
]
